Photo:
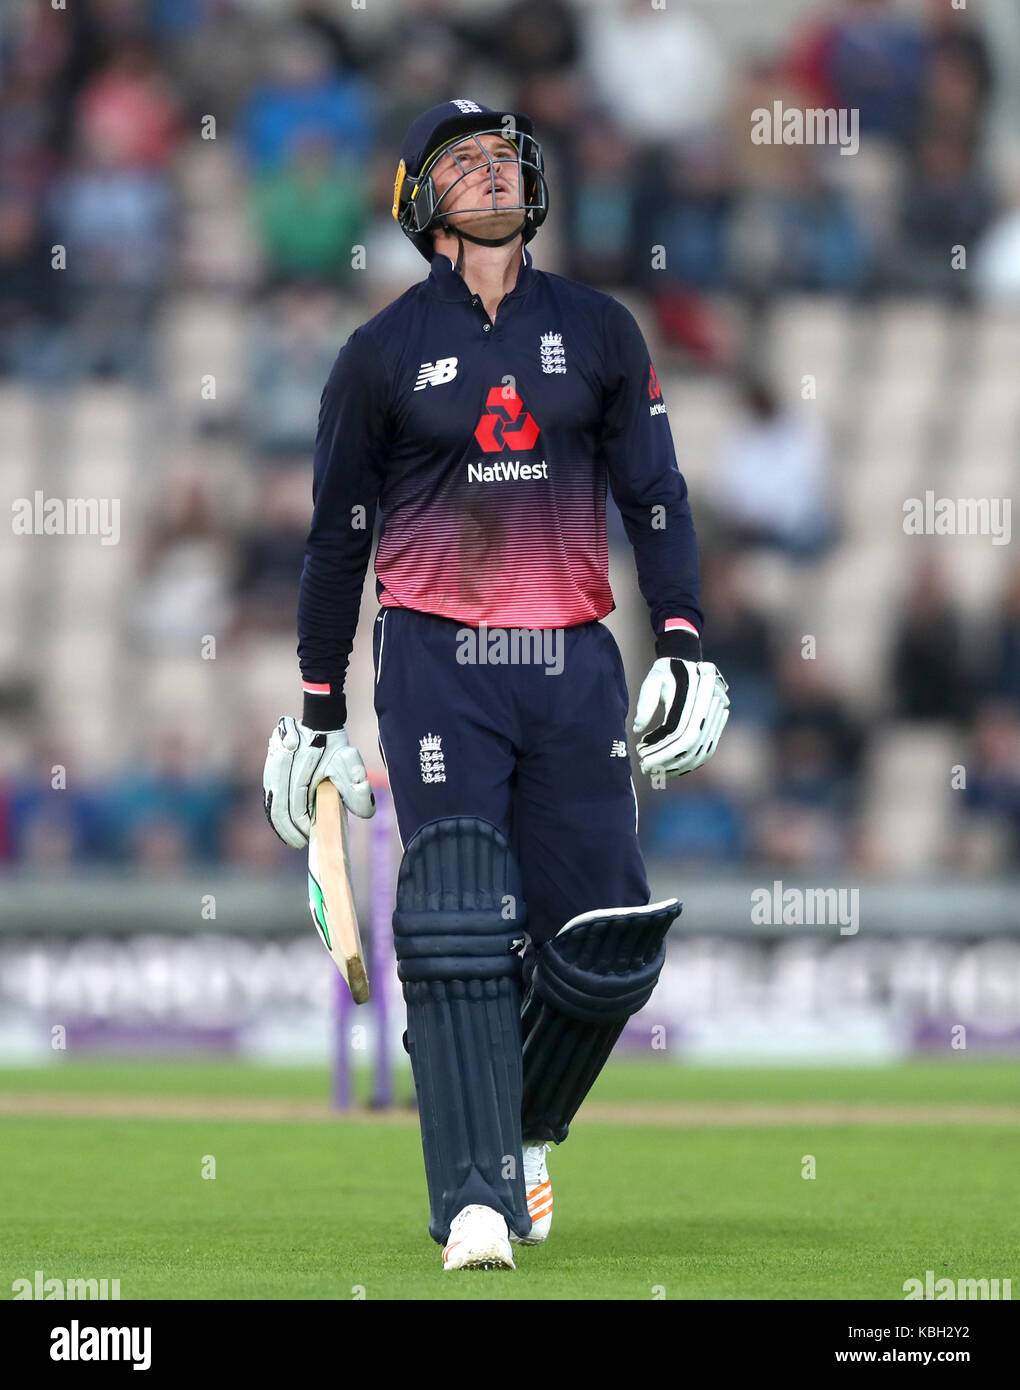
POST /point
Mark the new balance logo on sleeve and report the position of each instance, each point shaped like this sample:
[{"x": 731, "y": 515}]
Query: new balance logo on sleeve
[{"x": 436, "y": 373}]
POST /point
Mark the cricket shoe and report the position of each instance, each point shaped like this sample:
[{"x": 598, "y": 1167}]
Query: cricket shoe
[
  {"x": 478, "y": 1240},
  {"x": 540, "y": 1195}
]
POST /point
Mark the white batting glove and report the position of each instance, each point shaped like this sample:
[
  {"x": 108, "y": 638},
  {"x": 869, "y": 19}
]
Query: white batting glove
[
  {"x": 300, "y": 758},
  {"x": 693, "y": 695}
]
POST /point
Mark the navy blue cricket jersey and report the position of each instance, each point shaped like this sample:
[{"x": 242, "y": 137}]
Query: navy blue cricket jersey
[{"x": 487, "y": 446}]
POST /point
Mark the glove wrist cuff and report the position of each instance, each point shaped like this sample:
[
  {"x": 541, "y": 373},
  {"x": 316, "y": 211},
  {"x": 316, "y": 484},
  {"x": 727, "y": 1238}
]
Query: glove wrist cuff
[
  {"x": 324, "y": 713},
  {"x": 678, "y": 645}
]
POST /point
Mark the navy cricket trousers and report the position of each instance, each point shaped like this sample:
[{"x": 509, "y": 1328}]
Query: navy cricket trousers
[{"x": 542, "y": 756}]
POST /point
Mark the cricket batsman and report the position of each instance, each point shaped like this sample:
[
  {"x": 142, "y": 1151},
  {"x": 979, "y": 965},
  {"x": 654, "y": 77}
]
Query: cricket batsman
[{"x": 484, "y": 413}]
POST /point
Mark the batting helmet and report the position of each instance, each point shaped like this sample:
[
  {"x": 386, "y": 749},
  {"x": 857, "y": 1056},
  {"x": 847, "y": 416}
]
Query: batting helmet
[{"x": 416, "y": 205}]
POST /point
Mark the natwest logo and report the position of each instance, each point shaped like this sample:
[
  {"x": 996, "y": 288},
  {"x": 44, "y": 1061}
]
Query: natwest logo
[{"x": 505, "y": 424}]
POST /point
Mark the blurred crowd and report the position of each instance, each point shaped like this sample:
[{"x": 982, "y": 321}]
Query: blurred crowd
[
  {"x": 106, "y": 106},
  {"x": 943, "y": 674},
  {"x": 152, "y": 148}
]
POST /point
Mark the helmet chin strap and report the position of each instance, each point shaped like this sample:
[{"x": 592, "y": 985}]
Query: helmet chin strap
[{"x": 480, "y": 241}]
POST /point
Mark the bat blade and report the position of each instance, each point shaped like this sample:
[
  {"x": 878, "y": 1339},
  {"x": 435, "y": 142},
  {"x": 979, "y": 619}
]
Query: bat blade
[{"x": 330, "y": 897}]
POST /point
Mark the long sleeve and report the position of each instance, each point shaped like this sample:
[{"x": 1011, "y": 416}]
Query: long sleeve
[
  {"x": 645, "y": 480},
  {"x": 350, "y": 454}
]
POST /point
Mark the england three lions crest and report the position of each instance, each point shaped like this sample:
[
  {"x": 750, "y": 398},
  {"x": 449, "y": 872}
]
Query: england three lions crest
[
  {"x": 550, "y": 348},
  {"x": 430, "y": 753}
]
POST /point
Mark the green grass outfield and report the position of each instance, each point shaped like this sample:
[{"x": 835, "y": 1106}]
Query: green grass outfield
[{"x": 682, "y": 1183}]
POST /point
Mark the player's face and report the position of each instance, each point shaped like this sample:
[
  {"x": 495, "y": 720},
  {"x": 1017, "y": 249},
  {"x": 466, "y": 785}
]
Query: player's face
[{"x": 472, "y": 202}]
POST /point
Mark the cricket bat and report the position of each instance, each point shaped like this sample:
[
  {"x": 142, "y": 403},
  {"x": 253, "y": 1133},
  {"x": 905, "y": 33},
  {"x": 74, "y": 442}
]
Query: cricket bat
[{"x": 329, "y": 889}]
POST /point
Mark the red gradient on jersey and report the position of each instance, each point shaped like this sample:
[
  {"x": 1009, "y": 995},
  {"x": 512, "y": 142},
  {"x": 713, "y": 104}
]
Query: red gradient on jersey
[
  {"x": 654, "y": 389},
  {"x": 523, "y": 553}
]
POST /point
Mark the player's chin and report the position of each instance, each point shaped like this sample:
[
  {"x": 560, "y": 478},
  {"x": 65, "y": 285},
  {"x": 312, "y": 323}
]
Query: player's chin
[{"x": 485, "y": 223}]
